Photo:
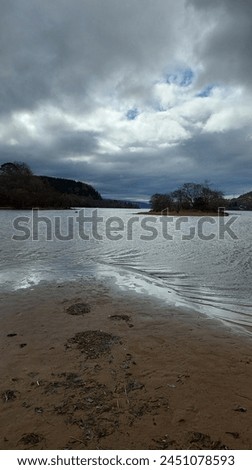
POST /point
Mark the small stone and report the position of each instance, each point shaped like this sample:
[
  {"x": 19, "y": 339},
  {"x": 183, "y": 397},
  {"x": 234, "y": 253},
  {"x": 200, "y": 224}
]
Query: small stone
[{"x": 241, "y": 409}]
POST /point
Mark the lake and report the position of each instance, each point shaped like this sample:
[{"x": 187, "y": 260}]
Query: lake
[{"x": 203, "y": 264}]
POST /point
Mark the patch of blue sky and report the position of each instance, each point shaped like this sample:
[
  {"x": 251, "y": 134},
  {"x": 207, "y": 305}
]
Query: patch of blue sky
[
  {"x": 132, "y": 114},
  {"x": 182, "y": 77},
  {"x": 205, "y": 92}
]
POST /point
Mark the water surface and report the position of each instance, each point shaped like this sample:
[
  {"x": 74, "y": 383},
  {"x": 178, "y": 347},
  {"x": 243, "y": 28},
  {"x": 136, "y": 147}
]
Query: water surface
[{"x": 207, "y": 275}]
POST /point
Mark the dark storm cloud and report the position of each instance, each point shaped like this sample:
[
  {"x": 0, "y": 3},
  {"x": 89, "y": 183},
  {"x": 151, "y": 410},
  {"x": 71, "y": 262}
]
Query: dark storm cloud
[
  {"x": 62, "y": 50},
  {"x": 226, "y": 49},
  {"x": 77, "y": 143}
]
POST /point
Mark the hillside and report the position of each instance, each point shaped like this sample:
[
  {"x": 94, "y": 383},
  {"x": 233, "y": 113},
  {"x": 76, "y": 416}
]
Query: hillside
[
  {"x": 21, "y": 189},
  {"x": 243, "y": 202},
  {"x": 66, "y": 186}
]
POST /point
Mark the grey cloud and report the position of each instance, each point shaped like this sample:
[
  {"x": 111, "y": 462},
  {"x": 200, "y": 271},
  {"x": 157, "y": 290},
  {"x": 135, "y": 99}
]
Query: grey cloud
[
  {"x": 225, "y": 51},
  {"x": 61, "y": 50},
  {"x": 137, "y": 175},
  {"x": 77, "y": 143}
]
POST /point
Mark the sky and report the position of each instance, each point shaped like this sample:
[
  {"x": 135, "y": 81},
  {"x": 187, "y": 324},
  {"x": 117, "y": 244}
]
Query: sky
[{"x": 135, "y": 97}]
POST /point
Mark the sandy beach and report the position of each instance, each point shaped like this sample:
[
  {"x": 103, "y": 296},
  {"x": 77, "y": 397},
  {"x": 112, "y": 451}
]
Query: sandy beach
[{"x": 84, "y": 366}]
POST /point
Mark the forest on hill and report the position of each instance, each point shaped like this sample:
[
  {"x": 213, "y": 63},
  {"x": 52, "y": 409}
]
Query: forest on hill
[
  {"x": 243, "y": 202},
  {"x": 21, "y": 189}
]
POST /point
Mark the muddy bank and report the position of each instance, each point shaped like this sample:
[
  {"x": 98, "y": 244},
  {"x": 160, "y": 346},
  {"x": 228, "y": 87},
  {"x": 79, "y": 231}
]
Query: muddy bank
[{"x": 85, "y": 368}]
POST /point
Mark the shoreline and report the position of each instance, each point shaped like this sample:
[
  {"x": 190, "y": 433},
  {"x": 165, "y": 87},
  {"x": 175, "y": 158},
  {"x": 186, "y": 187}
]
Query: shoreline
[
  {"x": 186, "y": 213},
  {"x": 86, "y": 367}
]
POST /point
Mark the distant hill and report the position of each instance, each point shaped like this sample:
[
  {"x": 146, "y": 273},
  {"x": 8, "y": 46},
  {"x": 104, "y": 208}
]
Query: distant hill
[
  {"x": 83, "y": 194},
  {"x": 21, "y": 189},
  {"x": 243, "y": 202},
  {"x": 66, "y": 186},
  {"x": 144, "y": 205}
]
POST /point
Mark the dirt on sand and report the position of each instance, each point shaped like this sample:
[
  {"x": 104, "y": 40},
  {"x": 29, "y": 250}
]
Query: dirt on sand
[{"x": 85, "y": 380}]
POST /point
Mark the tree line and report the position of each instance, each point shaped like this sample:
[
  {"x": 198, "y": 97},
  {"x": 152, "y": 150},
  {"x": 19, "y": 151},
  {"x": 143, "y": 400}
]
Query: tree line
[
  {"x": 21, "y": 189},
  {"x": 189, "y": 196}
]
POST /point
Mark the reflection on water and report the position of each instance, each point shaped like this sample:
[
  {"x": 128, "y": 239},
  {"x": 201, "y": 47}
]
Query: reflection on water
[{"x": 212, "y": 276}]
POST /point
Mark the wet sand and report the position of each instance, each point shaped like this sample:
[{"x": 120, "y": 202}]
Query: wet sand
[{"x": 86, "y": 367}]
